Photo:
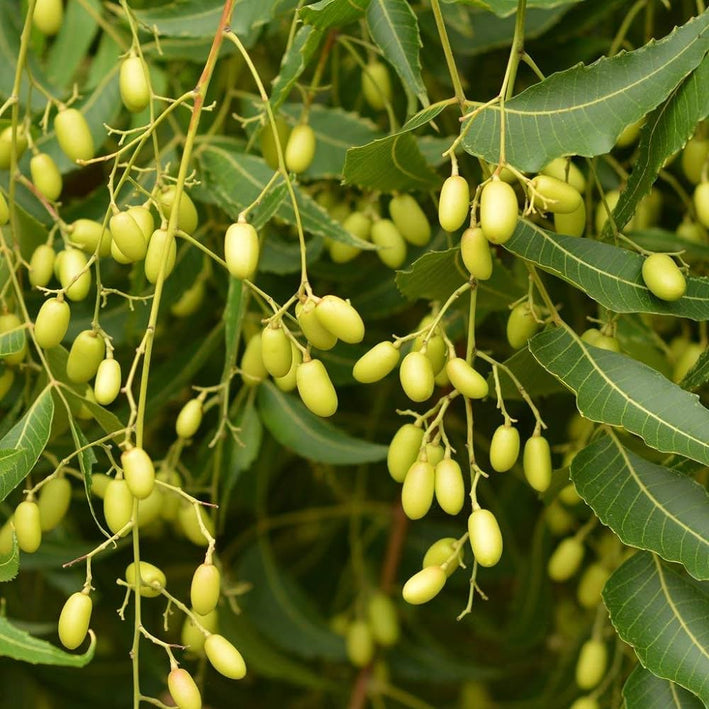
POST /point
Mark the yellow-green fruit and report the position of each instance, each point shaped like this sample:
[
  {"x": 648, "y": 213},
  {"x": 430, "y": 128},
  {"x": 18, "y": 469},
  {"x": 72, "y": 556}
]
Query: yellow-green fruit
[
  {"x": 485, "y": 537},
  {"x": 133, "y": 84},
  {"x": 89, "y": 236},
  {"x": 268, "y": 141},
  {"x": 552, "y": 195},
  {"x": 74, "y": 135},
  {"x": 572, "y": 224},
  {"x": 410, "y": 220},
  {"x": 376, "y": 363},
  {"x": 376, "y": 85},
  {"x": 189, "y": 523},
  {"x": 74, "y": 276},
  {"x": 694, "y": 157},
  {"x": 692, "y": 231},
  {"x": 436, "y": 351},
  {"x": 48, "y": 16},
  {"x": 383, "y": 620},
  {"x": 205, "y": 588},
  {"x": 504, "y": 448},
  {"x": 28, "y": 527},
  {"x": 150, "y": 509},
  {"x": 598, "y": 339},
  {"x": 276, "y": 350},
  {"x": 317, "y": 335},
  {"x": 52, "y": 322},
  {"x": 454, "y": 203},
  {"x": 128, "y": 236},
  {"x": 434, "y": 453},
  {"x": 4, "y": 210},
  {"x": 585, "y": 703},
  {"x": 152, "y": 579},
  {"x": 392, "y": 245},
  {"x": 601, "y": 218},
  {"x": 340, "y": 318},
  {"x": 183, "y": 689},
  {"x": 416, "y": 376},
  {"x": 565, "y": 170},
  {"x": 536, "y": 462},
  {"x": 649, "y": 210},
  {"x": 663, "y": 277},
  {"x": 6, "y": 145},
  {"x": 9, "y": 322},
  {"x": 591, "y": 665},
  {"x": 315, "y": 388},
  {"x": 466, "y": 380},
  {"x": 138, "y": 471},
  {"x": 118, "y": 256},
  {"x": 86, "y": 353},
  {"x": 701, "y": 203},
  {"x": 565, "y": 560},
  {"x": 53, "y": 502},
  {"x": 99, "y": 484},
  {"x": 42, "y": 265},
  {"x": 568, "y": 494},
  {"x": 161, "y": 253},
  {"x": 558, "y": 520},
  {"x": 188, "y": 422},
  {"x": 686, "y": 361},
  {"x": 629, "y": 134},
  {"x": 417, "y": 491},
  {"x": 187, "y": 218},
  {"x": 476, "y": 254},
  {"x": 253, "y": 371},
  {"x": 193, "y": 637},
  {"x": 357, "y": 224},
  {"x": 46, "y": 176},
  {"x": 7, "y": 377},
  {"x": 108, "y": 381},
  {"x": 143, "y": 217},
  {"x": 444, "y": 551},
  {"x": 424, "y": 585},
  {"x": 190, "y": 300},
  {"x": 289, "y": 381},
  {"x": 359, "y": 643},
  {"x": 404, "y": 450},
  {"x": 224, "y": 657},
  {"x": 74, "y": 620},
  {"x": 449, "y": 486},
  {"x": 591, "y": 584},
  {"x": 241, "y": 250},
  {"x": 300, "y": 149},
  {"x": 521, "y": 325},
  {"x": 7, "y": 538},
  {"x": 498, "y": 211}
]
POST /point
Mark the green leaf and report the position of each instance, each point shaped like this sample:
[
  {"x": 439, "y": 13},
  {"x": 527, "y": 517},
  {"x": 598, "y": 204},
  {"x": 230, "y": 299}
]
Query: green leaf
[
  {"x": 20, "y": 645},
  {"x": 583, "y": 110},
  {"x": 664, "y": 615},
  {"x": 12, "y": 341},
  {"x": 643, "y": 690},
  {"x": 295, "y": 427},
  {"x": 647, "y": 505},
  {"x": 535, "y": 380},
  {"x": 503, "y": 8},
  {"x": 655, "y": 239},
  {"x": 10, "y": 562},
  {"x": 28, "y": 437},
  {"x": 394, "y": 28},
  {"x": 333, "y": 13},
  {"x": 293, "y": 63},
  {"x": 282, "y": 256},
  {"x": 615, "y": 389},
  {"x": 610, "y": 275}
]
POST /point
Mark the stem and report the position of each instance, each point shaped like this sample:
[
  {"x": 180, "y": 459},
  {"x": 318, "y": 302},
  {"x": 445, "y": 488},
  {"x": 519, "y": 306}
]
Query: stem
[{"x": 450, "y": 60}]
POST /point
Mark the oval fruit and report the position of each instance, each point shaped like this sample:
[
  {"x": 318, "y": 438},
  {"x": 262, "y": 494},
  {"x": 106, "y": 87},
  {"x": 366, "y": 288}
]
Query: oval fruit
[
  {"x": 498, "y": 211},
  {"x": 417, "y": 491},
  {"x": 591, "y": 584},
  {"x": 404, "y": 450},
  {"x": 536, "y": 462},
  {"x": 424, "y": 585},
  {"x": 188, "y": 422},
  {"x": 133, "y": 84},
  {"x": 466, "y": 380},
  {"x": 193, "y": 637},
  {"x": 317, "y": 335},
  {"x": 152, "y": 579},
  {"x": 504, "y": 448},
  {"x": 241, "y": 250},
  {"x": 454, "y": 203},
  {"x": 376, "y": 85},
  {"x": 572, "y": 224},
  {"x": 46, "y": 176},
  {"x": 357, "y": 224},
  {"x": 383, "y": 620},
  {"x": 89, "y": 236},
  {"x": 485, "y": 537},
  {"x": 53, "y": 502},
  {"x": 48, "y": 16},
  {"x": 28, "y": 527},
  {"x": 686, "y": 361},
  {"x": 128, "y": 236},
  {"x": 445, "y": 553},
  {"x": 315, "y": 388},
  {"x": 6, "y": 145},
  {"x": 566, "y": 171},
  {"x": 340, "y": 318},
  {"x": 416, "y": 376},
  {"x": 376, "y": 363},
  {"x": 7, "y": 377},
  {"x": 269, "y": 149},
  {"x": 521, "y": 325},
  {"x": 74, "y": 620},
  {"x": 86, "y": 353},
  {"x": 74, "y": 276},
  {"x": 289, "y": 381},
  {"x": 117, "y": 505},
  {"x": 276, "y": 350},
  {"x": 205, "y": 588},
  {"x": 300, "y": 149},
  {"x": 73, "y": 135},
  {"x": 591, "y": 665},
  {"x": 190, "y": 300},
  {"x": 694, "y": 157},
  {"x": 409, "y": 219},
  {"x": 701, "y": 203},
  {"x": 161, "y": 253},
  {"x": 189, "y": 523},
  {"x": 476, "y": 254},
  {"x": 138, "y": 471},
  {"x": 224, "y": 657},
  {"x": 359, "y": 643},
  {"x": 565, "y": 559},
  {"x": 183, "y": 689},
  {"x": 52, "y": 322},
  {"x": 253, "y": 371},
  {"x": 663, "y": 277},
  {"x": 552, "y": 195},
  {"x": 585, "y": 703},
  {"x": 187, "y": 218},
  {"x": 392, "y": 245},
  {"x": 436, "y": 351},
  {"x": 42, "y": 265},
  {"x": 449, "y": 486},
  {"x": 4, "y": 210},
  {"x": 108, "y": 381}
]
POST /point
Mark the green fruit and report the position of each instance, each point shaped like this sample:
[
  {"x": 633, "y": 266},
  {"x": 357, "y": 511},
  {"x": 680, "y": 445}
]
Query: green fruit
[
  {"x": 552, "y": 195},
  {"x": 187, "y": 218},
  {"x": 648, "y": 211},
  {"x": 134, "y": 84},
  {"x": 152, "y": 579},
  {"x": 52, "y": 323},
  {"x": 74, "y": 620},
  {"x": 568, "y": 494},
  {"x": 183, "y": 689},
  {"x": 28, "y": 527},
  {"x": 188, "y": 422},
  {"x": 108, "y": 381},
  {"x": 276, "y": 350},
  {"x": 118, "y": 256},
  {"x": 376, "y": 363},
  {"x": 99, "y": 484},
  {"x": 521, "y": 325},
  {"x": 74, "y": 276},
  {"x": 42, "y": 265},
  {"x": 434, "y": 453},
  {"x": 598, "y": 339},
  {"x": 694, "y": 157},
  {"x": 565, "y": 560},
  {"x": 46, "y": 176},
  {"x": 629, "y": 134},
  {"x": 193, "y": 637},
  {"x": 7, "y": 377},
  {"x": 663, "y": 277},
  {"x": 118, "y": 506},
  {"x": 392, "y": 245},
  {"x": 701, "y": 203},
  {"x": 476, "y": 254},
  {"x": 205, "y": 588},
  {"x": 253, "y": 371},
  {"x": 300, "y": 149},
  {"x": 485, "y": 537},
  {"x": 686, "y": 361},
  {"x": 89, "y": 236},
  {"x": 86, "y": 353},
  {"x": 190, "y": 300},
  {"x": 128, "y": 236},
  {"x": 241, "y": 250},
  {"x": 161, "y": 253},
  {"x": 498, "y": 211},
  {"x": 536, "y": 462},
  {"x": 268, "y": 141},
  {"x": 454, "y": 203},
  {"x": 73, "y": 135},
  {"x": 189, "y": 523},
  {"x": 565, "y": 170},
  {"x": 383, "y": 620},
  {"x": 404, "y": 450},
  {"x": 4, "y": 210},
  {"x": 692, "y": 231},
  {"x": 416, "y": 376},
  {"x": 317, "y": 335},
  {"x": 504, "y": 448},
  {"x": 558, "y": 520},
  {"x": 449, "y": 486},
  {"x": 48, "y": 16},
  {"x": 138, "y": 471},
  {"x": 357, "y": 224},
  {"x": 572, "y": 224},
  {"x": 315, "y": 388},
  {"x": 6, "y": 145},
  {"x": 444, "y": 553},
  {"x": 289, "y": 381},
  {"x": 8, "y": 323},
  {"x": 143, "y": 217},
  {"x": 417, "y": 491},
  {"x": 150, "y": 509},
  {"x": 376, "y": 85},
  {"x": 424, "y": 585},
  {"x": 436, "y": 351},
  {"x": 53, "y": 502},
  {"x": 359, "y": 643},
  {"x": 591, "y": 665},
  {"x": 224, "y": 657},
  {"x": 340, "y": 318},
  {"x": 466, "y": 380},
  {"x": 591, "y": 584},
  {"x": 585, "y": 703},
  {"x": 410, "y": 220}
]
